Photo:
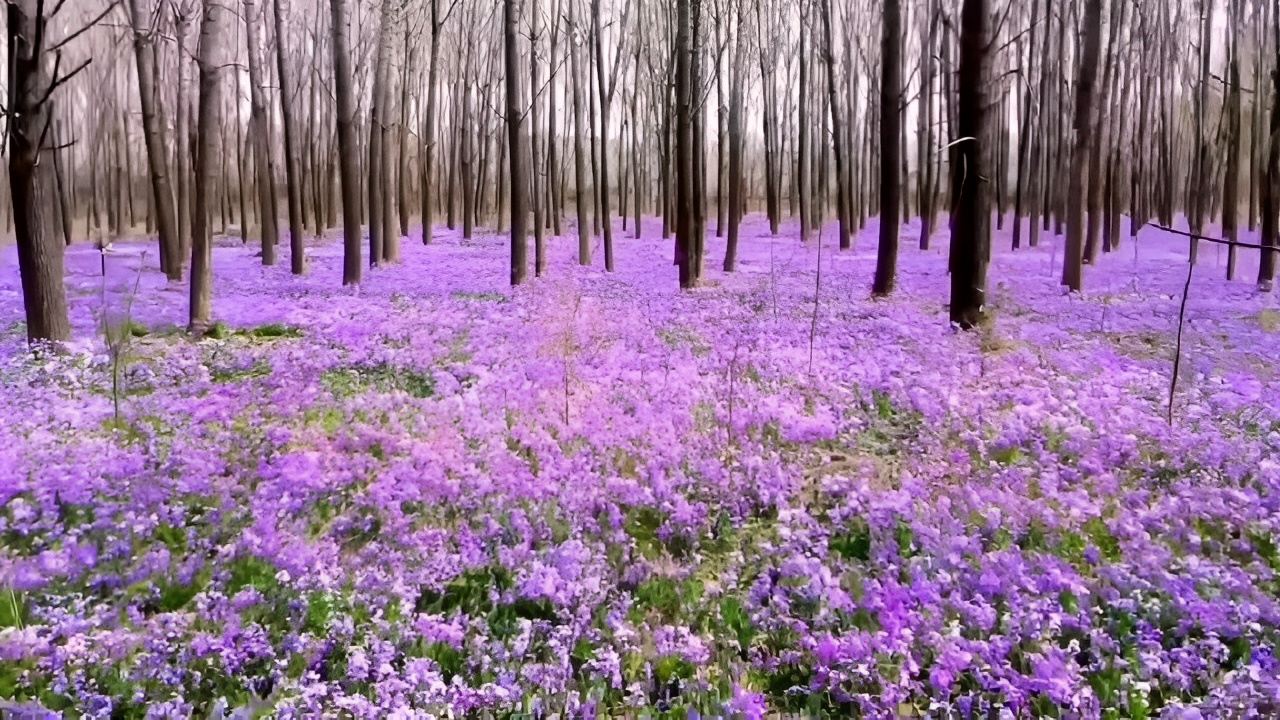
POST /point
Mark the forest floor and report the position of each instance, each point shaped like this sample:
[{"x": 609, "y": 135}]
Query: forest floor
[{"x": 597, "y": 494}]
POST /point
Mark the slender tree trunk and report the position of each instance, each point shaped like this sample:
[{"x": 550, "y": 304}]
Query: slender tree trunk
[
  {"x": 736, "y": 183},
  {"x": 1200, "y": 196},
  {"x": 1096, "y": 183},
  {"x": 971, "y": 222},
  {"x": 259, "y": 127},
  {"x": 427, "y": 171},
  {"x": 890, "y": 121},
  {"x": 837, "y": 133},
  {"x": 347, "y": 163},
  {"x": 292, "y": 175},
  {"x": 377, "y": 137},
  {"x": 928, "y": 173},
  {"x": 515, "y": 162},
  {"x": 802, "y": 130},
  {"x": 1270, "y": 192},
  {"x": 66, "y": 213},
  {"x": 1072, "y": 266},
  {"x": 1231, "y": 179},
  {"x": 554, "y": 194},
  {"x": 684, "y": 92},
  {"x": 579, "y": 149},
  {"x": 1024, "y": 137},
  {"x": 603, "y": 86},
  {"x": 153, "y": 134},
  {"x": 403, "y": 177},
  {"x": 212, "y": 29},
  {"x": 535, "y": 183}
]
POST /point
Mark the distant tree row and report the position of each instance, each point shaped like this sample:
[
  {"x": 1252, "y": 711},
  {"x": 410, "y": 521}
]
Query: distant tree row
[{"x": 276, "y": 119}]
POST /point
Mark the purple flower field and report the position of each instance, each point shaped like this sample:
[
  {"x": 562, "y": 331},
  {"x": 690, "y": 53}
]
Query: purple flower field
[{"x": 598, "y": 496}]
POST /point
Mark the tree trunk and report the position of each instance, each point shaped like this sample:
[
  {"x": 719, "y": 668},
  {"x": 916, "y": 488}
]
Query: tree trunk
[
  {"x": 292, "y": 175},
  {"x": 890, "y": 121},
  {"x": 971, "y": 222},
  {"x": 1231, "y": 180},
  {"x": 579, "y": 148},
  {"x": 347, "y": 163},
  {"x": 1073, "y": 258},
  {"x": 684, "y": 93},
  {"x": 427, "y": 171},
  {"x": 40, "y": 252},
  {"x": 377, "y": 137},
  {"x": 1270, "y": 194},
  {"x": 736, "y": 149},
  {"x": 535, "y": 183},
  {"x": 603, "y": 86},
  {"x": 1024, "y": 136},
  {"x": 1199, "y": 200},
  {"x": 402, "y": 173},
  {"x": 837, "y": 132},
  {"x": 153, "y": 134},
  {"x": 260, "y": 128},
  {"x": 210, "y": 107},
  {"x": 515, "y": 156},
  {"x": 928, "y": 178}
]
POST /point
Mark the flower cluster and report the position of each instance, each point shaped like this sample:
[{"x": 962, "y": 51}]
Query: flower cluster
[{"x": 596, "y": 495}]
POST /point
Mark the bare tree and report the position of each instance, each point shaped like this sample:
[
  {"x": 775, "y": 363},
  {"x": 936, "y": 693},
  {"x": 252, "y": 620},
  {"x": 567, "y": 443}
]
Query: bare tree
[
  {"x": 292, "y": 174},
  {"x": 153, "y": 133}
]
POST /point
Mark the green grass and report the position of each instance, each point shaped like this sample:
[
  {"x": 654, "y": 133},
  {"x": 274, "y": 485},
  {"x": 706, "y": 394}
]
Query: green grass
[{"x": 351, "y": 381}]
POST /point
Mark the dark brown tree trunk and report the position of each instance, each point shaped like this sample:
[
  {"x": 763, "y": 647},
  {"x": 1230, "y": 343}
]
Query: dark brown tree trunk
[
  {"x": 803, "y": 140},
  {"x": 427, "y": 171},
  {"x": 535, "y": 184},
  {"x": 40, "y": 251},
  {"x": 1200, "y": 194},
  {"x": 292, "y": 175},
  {"x": 1024, "y": 136},
  {"x": 1231, "y": 179},
  {"x": 579, "y": 148},
  {"x": 66, "y": 212},
  {"x": 605, "y": 88},
  {"x": 684, "y": 92},
  {"x": 153, "y": 134},
  {"x": 377, "y": 139},
  {"x": 515, "y": 155},
  {"x": 971, "y": 222},
  {"x": 403, "y": 177},
  {"x": 1073, "y": 258},
  {"x": 1099, "y": 136},
  {"x": 260, "y": 128},
  {"x": 554, "y": 194},
  {"x": 890, "y": 130},
  {"x": 347, "y": 163},
  {"x": 735, "y": 178},
  {"x": 927, "y": 177},
  {"x": 837, "y": 132},
  {"x": 1269, "y": 192}
]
